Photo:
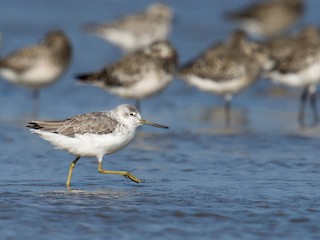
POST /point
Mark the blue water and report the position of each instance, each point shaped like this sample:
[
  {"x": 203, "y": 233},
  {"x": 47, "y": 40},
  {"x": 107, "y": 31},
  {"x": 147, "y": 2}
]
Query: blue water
[{"x": 257, "y": 180}]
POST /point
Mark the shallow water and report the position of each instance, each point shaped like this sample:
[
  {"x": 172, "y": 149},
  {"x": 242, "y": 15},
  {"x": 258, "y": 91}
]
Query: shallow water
[{"x": 257, "y": 180}]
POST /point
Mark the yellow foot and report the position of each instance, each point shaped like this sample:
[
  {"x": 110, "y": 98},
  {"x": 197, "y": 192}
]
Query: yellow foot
[{"x": 132, "y": 177}]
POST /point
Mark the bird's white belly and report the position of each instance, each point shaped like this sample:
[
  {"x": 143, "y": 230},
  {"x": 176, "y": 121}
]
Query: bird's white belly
[
  {"x": 123, "y": 39},
  {"x": 309, "y": 76},
  {"x": 38, "y": 76},
  {"x": 252, "y": 27},
  {"x": 130, "y": 41},
  {"x": 218, "y": 87},
  {"x": 89, "y": 145},
  {"x": 150, "y": 84}
]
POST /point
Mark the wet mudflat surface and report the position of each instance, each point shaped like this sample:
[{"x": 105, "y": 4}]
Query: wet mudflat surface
[{"x": 258, "y": 179}]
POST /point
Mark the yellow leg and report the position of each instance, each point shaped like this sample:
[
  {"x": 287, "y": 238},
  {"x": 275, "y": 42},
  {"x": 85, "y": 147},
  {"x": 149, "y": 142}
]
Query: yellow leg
[
  {"x": 72, "y": 165},
  {"x": 123, "y": 173}
]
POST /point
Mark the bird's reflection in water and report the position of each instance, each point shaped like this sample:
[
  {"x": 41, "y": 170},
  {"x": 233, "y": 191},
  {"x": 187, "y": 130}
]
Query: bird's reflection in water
[{"x": 215, "y": 121}]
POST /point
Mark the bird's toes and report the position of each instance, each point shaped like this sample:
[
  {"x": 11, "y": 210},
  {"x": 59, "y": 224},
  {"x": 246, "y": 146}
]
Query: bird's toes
[{"x": 133, "y": 178}]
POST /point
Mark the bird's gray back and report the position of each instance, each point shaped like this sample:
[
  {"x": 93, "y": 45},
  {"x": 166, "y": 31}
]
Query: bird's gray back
[{"x": 91, "y": 123}]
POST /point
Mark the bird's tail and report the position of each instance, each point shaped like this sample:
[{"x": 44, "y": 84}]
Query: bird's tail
[
  {"x": 86, "y": 77},
  {"x": 47, "y": 126},
  {"x": 33, "y": 125}
]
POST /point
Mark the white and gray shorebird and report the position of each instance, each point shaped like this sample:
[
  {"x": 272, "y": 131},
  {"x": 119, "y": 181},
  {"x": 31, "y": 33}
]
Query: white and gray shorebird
[
  {"x": 94, "y": 135},
  {"x": 299, "y": 66},
  {"x": 268, "y": 18},
  {"x": 39, "y": 65},
  {"x": 226, "y": 68},
  {"x": 138, "y": 75},
  {"x": 137, "y": 30}
]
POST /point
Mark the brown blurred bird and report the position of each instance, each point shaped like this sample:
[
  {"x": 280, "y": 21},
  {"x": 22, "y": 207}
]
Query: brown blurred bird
[
  {"x": 138, "y": 75},
  {"x": 226, "y": 68},
  {"x": 137, "y": 30},
  {"x": 268, "y": 18},
  {"x": 297, "y": 64},
  {"x": 39, "y": 65}
]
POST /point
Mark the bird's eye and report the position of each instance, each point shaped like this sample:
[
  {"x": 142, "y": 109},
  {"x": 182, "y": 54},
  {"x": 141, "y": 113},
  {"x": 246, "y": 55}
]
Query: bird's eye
[{"x": 131, "y": 114}]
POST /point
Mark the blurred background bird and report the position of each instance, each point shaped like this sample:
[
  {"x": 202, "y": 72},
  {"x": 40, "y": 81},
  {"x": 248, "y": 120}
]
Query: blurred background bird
[
  {"x": 268, "y": 18},
  {"x": 137, "y": 30},
  {"x": 226, "y": 68},
  {"x": 297, "y": 64},
  {"x": 138, "y": 75},
  {"x": 39, "y": 65}
]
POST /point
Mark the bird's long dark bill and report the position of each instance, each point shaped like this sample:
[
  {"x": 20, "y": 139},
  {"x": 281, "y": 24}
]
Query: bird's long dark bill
[{"x": 145, "y": 122}]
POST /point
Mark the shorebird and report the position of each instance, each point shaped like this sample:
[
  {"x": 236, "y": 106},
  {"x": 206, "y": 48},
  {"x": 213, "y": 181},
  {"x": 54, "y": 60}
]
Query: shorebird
[
  {"x": 39, "y": 65},
  {"x": 226, "y": 68},
  {"x": 138, "y": 75},
  {"x": 94, "y": 135},
  {"x": 299, "y": 66},
  {"x": 138, "y": 30},
  {"x": 268, "y": 18}
]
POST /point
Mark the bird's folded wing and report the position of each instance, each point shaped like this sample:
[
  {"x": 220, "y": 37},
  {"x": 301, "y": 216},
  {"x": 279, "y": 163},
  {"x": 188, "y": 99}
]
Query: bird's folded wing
[
  {"x": 24, "y": 59},
  {"x": 91, "y": 123}
]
